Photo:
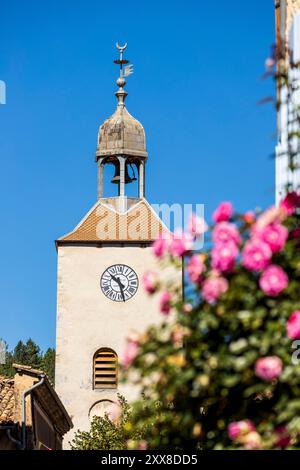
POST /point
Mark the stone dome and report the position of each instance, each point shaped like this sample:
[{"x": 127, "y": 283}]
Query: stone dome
[{"x": 121, "y": 133}]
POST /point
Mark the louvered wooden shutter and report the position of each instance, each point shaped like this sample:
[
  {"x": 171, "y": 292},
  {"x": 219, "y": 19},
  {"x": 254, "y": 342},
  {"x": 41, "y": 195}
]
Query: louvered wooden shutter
[{"x": 105, "y": 369}]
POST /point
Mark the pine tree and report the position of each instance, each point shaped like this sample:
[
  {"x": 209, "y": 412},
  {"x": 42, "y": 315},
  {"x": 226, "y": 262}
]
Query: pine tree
[
  {"x": 33, "y": 356},
  {"x": 48, "y": 363},
  {"x": 29, "y": 354},
  {"x": 19, "y": 353}
]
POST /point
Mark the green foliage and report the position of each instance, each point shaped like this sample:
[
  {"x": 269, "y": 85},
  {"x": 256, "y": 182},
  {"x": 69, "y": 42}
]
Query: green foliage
[
  {"x": 29, "y": 354},
  {"x": 105, "y": 434},
  {"x": 48, "y": 363}
]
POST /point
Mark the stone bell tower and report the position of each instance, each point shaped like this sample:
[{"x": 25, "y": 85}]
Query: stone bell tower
[
  {"x": 100, "y": 301},
  {"x": 121, "y": 142}
]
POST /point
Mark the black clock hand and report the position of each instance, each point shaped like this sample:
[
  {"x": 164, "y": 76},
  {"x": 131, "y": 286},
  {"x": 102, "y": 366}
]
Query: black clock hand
[
  {"x": 122, "y": 292},
  {"x": 114, "y": 278},
  {"x": 117, "y": 280}
]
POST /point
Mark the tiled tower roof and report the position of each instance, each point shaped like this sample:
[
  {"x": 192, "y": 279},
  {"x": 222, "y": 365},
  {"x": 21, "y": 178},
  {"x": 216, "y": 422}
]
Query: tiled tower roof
[{"x": 104, "y": 223}]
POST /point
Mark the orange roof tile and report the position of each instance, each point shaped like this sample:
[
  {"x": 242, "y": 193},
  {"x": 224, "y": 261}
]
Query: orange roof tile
[
  {"x": 7, "y": 400},
  {"x": 104, "y": 223}
]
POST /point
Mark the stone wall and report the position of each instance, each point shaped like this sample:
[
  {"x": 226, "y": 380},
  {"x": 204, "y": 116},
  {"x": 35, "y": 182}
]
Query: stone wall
[{"x": 87, "y": 321}]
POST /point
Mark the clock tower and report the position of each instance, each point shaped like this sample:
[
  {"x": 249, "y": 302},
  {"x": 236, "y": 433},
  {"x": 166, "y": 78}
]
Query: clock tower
[{"x": 100, "y": 301}]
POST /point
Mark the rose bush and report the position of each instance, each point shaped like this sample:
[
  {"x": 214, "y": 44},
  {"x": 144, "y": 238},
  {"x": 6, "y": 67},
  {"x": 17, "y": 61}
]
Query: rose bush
[{"x": 220, "y": 363}]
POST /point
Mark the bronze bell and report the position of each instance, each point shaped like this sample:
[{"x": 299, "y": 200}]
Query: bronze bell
[{"x": 128, "y": 179}]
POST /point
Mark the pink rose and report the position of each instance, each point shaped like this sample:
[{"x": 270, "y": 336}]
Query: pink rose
[
  {"x": 273, "y": 280},
  {"x": 275, "y": 235},
  {"x": 249, "y": 217},
  {"x": 268, "y": 368},
  {"x": 225, "y": 232},
  {"x": 180, "y": 243},
  {"x": 236, "y": 429},
  {"x": 283, "y": 438},
  {"x": 270, "y": 216},
  {"x": 187, "y": 308},
  {"x": 178, "y": 335},
  {"x": 165, "y": 302},
  {"x": 161, "y": 245},
  {"x": 224, "y": 256},
  {"x": 256, "y": 255},
  {"x": 130, "y": 352},
  {"x": 213, "y": 287},
  {"x": 223, "y": 212},
  {"x": 143, "y": 445},
  {"x": 196, "y": 268},
  {"x": 150, "y": 282},
  {"x": 290, "y": 203},
  {"x": 293, "y": 325},
  {"x": 196, "y": 226},
  {"x": 114, "y": 412},
  {"x": 295, "y": 233},
  {"x": 269, "y": 64},
  {"x": 252, "y": 441}
]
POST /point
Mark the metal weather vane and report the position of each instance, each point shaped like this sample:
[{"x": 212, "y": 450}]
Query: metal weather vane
[{"x": 128, "y": 69}]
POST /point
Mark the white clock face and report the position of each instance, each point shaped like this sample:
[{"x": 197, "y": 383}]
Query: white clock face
[{"x": 119, "y": 282}]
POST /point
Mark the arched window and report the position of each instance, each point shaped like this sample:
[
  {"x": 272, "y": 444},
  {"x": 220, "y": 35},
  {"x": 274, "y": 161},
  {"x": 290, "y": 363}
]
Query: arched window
[{"x": 105, "y": 369}]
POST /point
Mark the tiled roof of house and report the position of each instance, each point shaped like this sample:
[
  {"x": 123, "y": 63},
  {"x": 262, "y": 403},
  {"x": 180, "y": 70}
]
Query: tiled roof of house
[
  {"x": 45, "y": 393},
  {"x": 7, "y": 400},
  {"x": 105, "y": 223},
  {"x": 22, "y": 367},
  {"x": 48, "y": 397}
]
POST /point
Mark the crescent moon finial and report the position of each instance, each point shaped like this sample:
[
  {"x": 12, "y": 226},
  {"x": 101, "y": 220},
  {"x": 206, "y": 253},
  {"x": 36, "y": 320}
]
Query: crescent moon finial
[{"x": 121, "y": 48}]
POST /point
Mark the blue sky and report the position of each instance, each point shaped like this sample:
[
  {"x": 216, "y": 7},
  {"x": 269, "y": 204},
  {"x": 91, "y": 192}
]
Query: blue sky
[{"x": 197, "y": 80}]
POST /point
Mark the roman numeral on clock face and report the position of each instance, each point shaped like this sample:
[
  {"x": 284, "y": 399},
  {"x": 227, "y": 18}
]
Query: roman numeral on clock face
[{"x": 119, "y": 282}]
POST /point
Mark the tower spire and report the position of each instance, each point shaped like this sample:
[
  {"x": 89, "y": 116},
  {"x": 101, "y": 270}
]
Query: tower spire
[
  {"x": 121, "y": 82},
  {"x": 121, "y": 139}
]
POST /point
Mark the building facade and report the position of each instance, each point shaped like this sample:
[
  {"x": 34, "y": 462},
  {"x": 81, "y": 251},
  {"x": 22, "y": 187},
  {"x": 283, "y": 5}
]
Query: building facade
[
  {"x": 100, "y": 301},
  {"x": 287, "y": 167},
  {"x": 31, "y": 414}
]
